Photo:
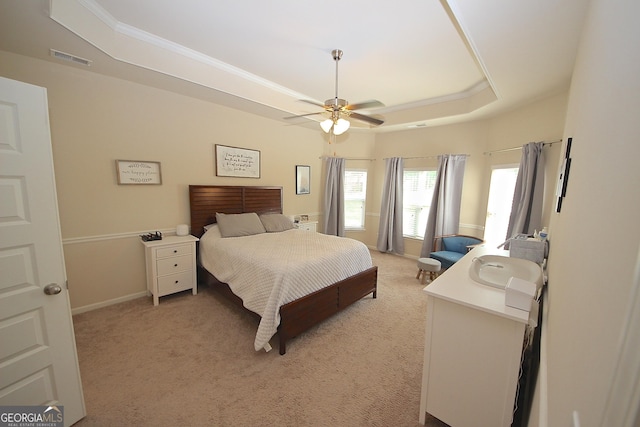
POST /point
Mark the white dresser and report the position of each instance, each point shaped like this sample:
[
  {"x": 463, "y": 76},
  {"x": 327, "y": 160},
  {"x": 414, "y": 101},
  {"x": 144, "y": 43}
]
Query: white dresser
[
  {"x": 171, "y": 265},
  {"x": 307, "y": 225},
  {"x": 473, "y": 350}
]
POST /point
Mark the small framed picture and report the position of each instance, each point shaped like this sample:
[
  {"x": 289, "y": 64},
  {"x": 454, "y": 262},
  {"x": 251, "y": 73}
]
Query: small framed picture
[
  {"x": 303, "y": 179},
  {"x": 138, "y": 172}
]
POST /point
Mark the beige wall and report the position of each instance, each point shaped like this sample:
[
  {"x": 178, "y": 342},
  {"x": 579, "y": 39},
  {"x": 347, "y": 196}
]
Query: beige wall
[
  {"x": 426, "y": 144},
  {"x": 594, "y": 239},
  {"x": 540, "y": 121},
  {"x": 97, "y": 119}
]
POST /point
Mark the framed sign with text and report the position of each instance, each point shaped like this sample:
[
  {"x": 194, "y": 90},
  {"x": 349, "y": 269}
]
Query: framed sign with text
[
  {"x": 238, "y": 162},
  {"x": 138, "y": 172}
]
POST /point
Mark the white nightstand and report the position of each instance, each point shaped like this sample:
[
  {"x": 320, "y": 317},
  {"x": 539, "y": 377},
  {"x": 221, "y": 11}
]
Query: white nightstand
[
  {"x": 171, "y": 265},
  {"x": 307, "y": 225}
]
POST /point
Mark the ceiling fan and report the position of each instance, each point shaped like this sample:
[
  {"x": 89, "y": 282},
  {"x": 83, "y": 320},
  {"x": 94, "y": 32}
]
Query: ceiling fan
[{"x": 340, "y": 109}]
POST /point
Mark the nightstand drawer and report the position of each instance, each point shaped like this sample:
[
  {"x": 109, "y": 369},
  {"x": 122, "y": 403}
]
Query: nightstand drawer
[
  {"x": 174, "y": 251},
  {"x": 175, "y": 283},
  {"x": 174, "y": 264}
]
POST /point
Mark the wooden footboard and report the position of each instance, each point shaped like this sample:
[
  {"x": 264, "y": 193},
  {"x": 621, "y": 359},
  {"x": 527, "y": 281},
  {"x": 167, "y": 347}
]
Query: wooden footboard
[{"x": 308, "y": 311}]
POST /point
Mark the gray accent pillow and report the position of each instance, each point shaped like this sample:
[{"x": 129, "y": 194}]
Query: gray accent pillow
[
  {"x": 274, "y": 223},
  {"x": 236, "y": 225}
]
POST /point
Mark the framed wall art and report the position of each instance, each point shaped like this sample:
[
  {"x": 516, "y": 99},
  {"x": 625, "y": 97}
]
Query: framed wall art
[
  {"x": 563, "y": 179},
  {"x": 238, "y": 162},
  {"x": 303, "y": 179},
  {"x": 138, "y": 172}
]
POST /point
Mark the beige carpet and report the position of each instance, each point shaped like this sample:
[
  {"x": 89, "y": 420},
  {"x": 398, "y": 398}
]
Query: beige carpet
[{"x": 190, "y": 362}]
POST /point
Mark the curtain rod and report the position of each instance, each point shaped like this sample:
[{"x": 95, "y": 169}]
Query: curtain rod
[
  {"x": 347, "y": 158},
  {"x": 544, "y": 144},
  {"x": 428, "y": 157}
]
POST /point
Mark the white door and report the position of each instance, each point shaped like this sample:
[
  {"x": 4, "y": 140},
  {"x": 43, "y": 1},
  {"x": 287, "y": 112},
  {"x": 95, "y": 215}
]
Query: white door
[
  {"x": 38, "y": 360},
  {"x": 503, "y": 184}
]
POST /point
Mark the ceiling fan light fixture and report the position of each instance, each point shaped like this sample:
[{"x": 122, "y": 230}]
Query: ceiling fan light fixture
[
  {"x": 326, "y": 125},
  {"x": 338, "y": 106},
  {"x": 341, "y": 126}
]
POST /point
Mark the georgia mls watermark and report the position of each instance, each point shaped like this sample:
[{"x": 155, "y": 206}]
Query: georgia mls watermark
[{"x": 32, "y": 416}]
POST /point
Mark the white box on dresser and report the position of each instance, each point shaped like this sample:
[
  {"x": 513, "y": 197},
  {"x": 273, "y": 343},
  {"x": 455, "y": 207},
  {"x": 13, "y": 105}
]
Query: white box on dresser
[{"x": 170, "y": 265}]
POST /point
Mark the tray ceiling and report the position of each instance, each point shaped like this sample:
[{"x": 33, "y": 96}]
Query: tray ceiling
[{"x": 429, "y": 62}]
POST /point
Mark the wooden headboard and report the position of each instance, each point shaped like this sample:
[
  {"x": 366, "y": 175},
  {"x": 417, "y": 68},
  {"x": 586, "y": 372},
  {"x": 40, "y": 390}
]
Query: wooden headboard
[{"x": 206, "y": 200}]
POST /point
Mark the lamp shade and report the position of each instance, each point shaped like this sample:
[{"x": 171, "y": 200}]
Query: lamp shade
[
  {"x": 326, "y": 125},
  {"x": 341, "y": 126}
]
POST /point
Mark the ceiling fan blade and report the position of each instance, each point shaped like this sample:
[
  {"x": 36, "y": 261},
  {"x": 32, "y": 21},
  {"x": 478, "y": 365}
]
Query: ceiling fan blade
[
  {"x": 368, "y": 119},
  {"x": 312, "y": 102},
  {"x": 302, "y": 115},
  {"x": 363, "y": 105}
]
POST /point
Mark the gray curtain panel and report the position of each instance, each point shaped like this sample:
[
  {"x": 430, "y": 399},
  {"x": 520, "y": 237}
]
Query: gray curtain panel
[
  {"x": 444, "y": 214},
  {"x": 526, "y": 209},
  {"x": 390, "y": 230},
  {"x": 334, "y": 196}
]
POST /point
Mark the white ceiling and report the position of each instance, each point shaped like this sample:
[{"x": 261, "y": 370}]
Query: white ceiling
[{"x": 430, "y": 62}]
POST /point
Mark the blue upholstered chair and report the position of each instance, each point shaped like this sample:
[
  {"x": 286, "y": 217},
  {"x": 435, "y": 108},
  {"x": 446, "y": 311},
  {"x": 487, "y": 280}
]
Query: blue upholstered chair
[{"x": 449, "y": 249}]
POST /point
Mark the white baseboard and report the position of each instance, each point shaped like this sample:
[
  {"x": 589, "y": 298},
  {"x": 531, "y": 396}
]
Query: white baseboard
[{"x": 102, "y": 304}]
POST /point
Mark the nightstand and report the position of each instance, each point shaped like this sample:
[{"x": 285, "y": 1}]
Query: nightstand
[
  {"x": 307, "y": 225},
  {"x": 171, "y": 265}
]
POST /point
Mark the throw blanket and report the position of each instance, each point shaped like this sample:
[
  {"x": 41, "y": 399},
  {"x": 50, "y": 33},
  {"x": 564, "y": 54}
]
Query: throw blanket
[{"x": 269, "y": 270}]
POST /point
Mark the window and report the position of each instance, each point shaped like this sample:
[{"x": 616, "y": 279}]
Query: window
[
  {"x": 417, "y": 190},
  {"x": 501, "y": 189},
  {"x": 355, "y": 195}
]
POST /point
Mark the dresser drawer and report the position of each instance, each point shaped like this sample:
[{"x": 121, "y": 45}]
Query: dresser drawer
[
  {"x": 174, "y": 251},
  {"x": 175, "y": 283},
  {"x": 174, "y": 264}
]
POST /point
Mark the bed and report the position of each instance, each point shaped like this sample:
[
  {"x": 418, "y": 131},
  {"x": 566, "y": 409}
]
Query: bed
[{"x": 299, "y": 314}]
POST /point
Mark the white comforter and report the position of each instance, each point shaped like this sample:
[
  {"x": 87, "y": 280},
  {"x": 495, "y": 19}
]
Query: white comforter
[{"x": 271, "y": 269}]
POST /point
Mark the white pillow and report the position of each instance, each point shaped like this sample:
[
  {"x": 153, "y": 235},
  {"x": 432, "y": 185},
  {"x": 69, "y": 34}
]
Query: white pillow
[
  {"x": 213, "y": 230},
  {"x": 236, "y": 225},
  {"x": 276, "y": 222}
]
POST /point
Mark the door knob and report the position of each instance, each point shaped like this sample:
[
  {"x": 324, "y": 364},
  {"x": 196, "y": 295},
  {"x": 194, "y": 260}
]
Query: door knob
[{"x": 52, "y": 289}]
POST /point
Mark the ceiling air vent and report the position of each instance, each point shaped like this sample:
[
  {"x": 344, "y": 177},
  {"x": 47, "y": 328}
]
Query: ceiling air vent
[{"x": 70, "y": 58}]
